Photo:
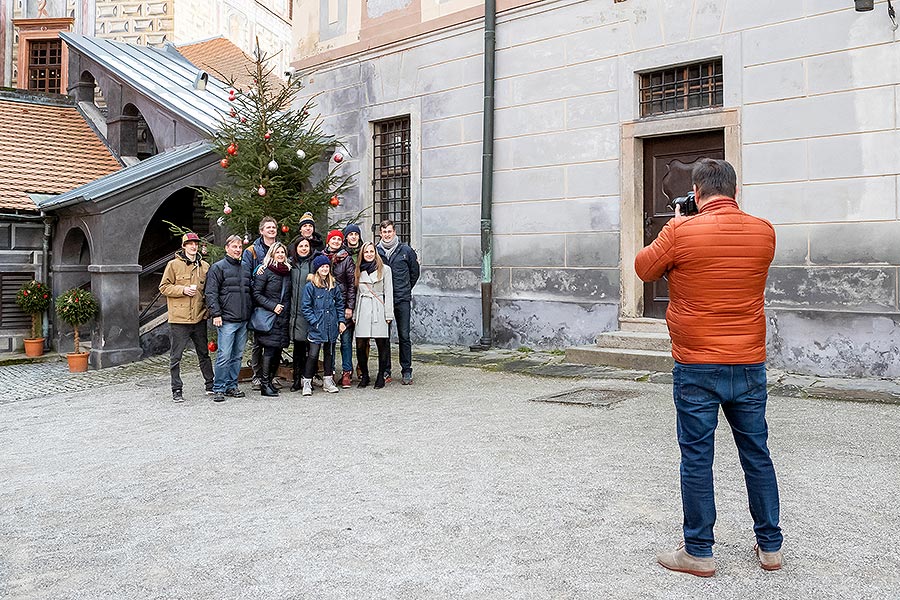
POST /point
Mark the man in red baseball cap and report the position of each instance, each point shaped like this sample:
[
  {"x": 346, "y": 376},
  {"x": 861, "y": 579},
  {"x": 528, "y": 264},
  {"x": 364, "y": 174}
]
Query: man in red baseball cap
[{"x": 183, "y": 284}]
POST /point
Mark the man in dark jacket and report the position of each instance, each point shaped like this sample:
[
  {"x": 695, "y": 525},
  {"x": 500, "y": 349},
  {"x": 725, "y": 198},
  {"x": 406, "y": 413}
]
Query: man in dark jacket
[
  {"x": 404, "y": 266},
  {"x": 252, "y": 260},
  {"x": 308, "y": 232},
  {"x": 344, "y": 271},
  {"x": 230, "y": 304}
]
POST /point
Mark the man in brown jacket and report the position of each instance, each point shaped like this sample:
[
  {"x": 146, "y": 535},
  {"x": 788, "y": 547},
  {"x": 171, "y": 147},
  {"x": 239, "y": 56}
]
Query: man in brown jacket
[
  {"x": 182, "y": 284},
  {"x": 716, "y": 263}
]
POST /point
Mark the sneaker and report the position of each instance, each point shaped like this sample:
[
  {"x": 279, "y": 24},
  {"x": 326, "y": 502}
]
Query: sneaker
[
  {"x": 306, "y": 385},
  {"x": 209, "y": 391},
  {"x": 679, "y": 560},
  {"x": 177, "y": 396},
  {"x": 254, "y": 383},
  {"x": 218, "y": 397},
  {"x": 770, "y": 561},
  {"x": 407, "y": 379},
  {"x": 329, "y": 385},
  {"x": 387, "y": 377},
  {"x": 234, "y": 393},
  {"x": 345, "y": 379}
]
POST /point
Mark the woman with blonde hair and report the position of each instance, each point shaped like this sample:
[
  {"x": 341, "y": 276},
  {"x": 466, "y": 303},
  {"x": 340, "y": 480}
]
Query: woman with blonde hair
[
  {"x": 323, "y": 308},
  {"x": 374, "y": 311},
  {"x": 271, "y": 316}
]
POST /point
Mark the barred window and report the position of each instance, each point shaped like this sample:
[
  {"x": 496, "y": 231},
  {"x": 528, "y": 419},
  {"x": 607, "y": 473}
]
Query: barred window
[
  {"x": 391, "y": 180},
  {"x": 684, "y": 88},
  {"x": 45, "y": 66}
]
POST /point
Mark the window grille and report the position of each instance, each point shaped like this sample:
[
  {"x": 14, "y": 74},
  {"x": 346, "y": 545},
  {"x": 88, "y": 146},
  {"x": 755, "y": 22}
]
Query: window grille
[
  {"x": 45, "y": 66},
  {"x": 684, "y": 88},
  {"x": 391, "y": 182},
  {"x": 11, "y": 316}
]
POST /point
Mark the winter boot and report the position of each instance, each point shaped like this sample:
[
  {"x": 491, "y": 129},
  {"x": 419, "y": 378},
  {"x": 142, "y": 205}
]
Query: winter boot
[
  {"x": 265, "y": 376},
  {"x": 306, "y": 384},
  {"x": 328, "y": 384}
]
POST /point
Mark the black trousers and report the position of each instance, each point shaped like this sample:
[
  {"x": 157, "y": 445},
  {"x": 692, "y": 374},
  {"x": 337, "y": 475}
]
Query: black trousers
[
  {"x": 362, "y": 354},
  {"x": 179, "y": 335},
  {"x": 313, "y": 359},
  {"x": 301, "y": 352}
]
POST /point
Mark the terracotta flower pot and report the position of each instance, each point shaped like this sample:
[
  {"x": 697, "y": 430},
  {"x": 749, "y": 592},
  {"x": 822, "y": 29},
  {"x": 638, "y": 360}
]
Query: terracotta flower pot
[
  {"x": 78, "y": 362},
  {"x": 34, "y": 347}
]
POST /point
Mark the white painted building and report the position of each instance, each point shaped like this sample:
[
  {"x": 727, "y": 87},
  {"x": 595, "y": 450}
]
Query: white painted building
[{"x": 801, "y": 96}]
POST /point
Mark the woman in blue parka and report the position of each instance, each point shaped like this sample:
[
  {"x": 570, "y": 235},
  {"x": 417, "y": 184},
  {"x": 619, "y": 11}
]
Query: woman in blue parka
[{"x": 323, "y": 308}]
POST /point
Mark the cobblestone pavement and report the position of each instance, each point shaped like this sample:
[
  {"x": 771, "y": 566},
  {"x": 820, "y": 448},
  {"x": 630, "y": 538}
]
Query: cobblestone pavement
[{"x": 458, "y": 486}]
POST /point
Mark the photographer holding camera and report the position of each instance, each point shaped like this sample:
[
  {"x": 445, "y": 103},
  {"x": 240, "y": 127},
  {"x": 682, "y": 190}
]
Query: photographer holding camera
[{"x": 716, "y": 262}]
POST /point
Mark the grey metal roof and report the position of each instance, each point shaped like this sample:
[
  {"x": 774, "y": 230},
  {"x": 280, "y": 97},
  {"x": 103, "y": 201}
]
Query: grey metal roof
[
  {"x": 129, "y": 176},
  {"x": 160, "y": 75}
]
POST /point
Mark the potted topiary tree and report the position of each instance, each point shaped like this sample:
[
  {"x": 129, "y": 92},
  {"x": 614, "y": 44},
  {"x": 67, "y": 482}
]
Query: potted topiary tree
[
  {"x": 76, "y": 307},
  {"x": 34, "y": 298}
]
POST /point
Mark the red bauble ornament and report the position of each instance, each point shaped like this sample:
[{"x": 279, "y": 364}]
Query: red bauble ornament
[
  {"x": 232, "y": 149},
  {"x": 243, "y": 119},
  {"x": 233, "y": 113},
  {"x": 231, "y": 92},
  {"x": 224, "y": 162},
  {"x": 268, "y": 135},
  {"x": 285, "y": 229},
  {"x": 335, "y": 201},
  {"x": 231, "y": 98},
  {"x": 212, "y": 346},
  {"x": 338, "y": 157}
]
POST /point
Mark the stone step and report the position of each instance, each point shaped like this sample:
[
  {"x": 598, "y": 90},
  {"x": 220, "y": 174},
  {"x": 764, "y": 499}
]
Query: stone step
[
  {"x": 636, "y": 340},
  {"x": 643, "y": 324},
  {"x": 640, "y": 360}
]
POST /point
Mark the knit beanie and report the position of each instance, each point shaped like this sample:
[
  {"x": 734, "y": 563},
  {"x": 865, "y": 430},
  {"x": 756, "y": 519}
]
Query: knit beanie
[
  {"x": 333, "y": 233},
  {"x": 319, "y": 261},
  {"x": 352, "y": 228},
  {"x": 307, "y": 217}
]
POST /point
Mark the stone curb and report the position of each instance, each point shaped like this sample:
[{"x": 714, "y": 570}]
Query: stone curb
[{"x": 550, "y": 364}]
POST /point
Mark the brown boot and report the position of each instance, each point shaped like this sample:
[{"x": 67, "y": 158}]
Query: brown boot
[
  {"x": 680, "y": 560},
  {"x": 345, "y": 379},
  {"x": 770, "y": 561}
]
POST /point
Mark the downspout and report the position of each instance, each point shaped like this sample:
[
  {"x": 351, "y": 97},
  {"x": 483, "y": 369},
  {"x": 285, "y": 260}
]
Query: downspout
[
  {"x": 487, "y": 177},
  {"x": 45, "y": 274}
]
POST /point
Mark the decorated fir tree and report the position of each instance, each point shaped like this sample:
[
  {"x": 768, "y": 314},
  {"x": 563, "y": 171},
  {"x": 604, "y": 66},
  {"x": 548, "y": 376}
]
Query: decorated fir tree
[{"x": 269, "y": 151}]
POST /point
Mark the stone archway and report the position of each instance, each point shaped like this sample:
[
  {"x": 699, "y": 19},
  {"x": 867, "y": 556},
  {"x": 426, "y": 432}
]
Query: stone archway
[{"x": 72, "y": 270}]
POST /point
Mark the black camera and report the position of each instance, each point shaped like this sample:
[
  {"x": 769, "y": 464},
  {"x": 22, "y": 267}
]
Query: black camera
[{"x": 687, "y": 203}]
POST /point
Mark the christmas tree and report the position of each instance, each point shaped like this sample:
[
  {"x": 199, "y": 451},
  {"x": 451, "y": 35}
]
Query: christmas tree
[{"x": 269, "y": 151}]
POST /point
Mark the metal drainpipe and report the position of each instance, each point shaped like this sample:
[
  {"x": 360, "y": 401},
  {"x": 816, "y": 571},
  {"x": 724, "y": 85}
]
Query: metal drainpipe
[{"x": 487, "y": 177}]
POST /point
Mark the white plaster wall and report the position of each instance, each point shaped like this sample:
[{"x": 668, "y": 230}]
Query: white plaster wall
[{"x": 816, "y": 85}]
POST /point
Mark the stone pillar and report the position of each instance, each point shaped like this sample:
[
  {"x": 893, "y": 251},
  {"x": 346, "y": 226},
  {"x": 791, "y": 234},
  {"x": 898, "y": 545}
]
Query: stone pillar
[
  {"x": 115, "y": 338},
  {"x": 122, "y": 134}
]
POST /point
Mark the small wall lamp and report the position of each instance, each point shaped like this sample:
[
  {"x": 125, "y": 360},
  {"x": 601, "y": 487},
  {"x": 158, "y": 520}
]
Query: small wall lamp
[{"x": 864, "y": 5}]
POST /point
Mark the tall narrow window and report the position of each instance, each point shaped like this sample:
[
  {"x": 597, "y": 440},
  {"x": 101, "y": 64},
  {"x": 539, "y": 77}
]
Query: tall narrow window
[
  {"x": 45, "y": 65},
  {"x": 679, "y": 89},
  {"x": 391, "y": 181}
]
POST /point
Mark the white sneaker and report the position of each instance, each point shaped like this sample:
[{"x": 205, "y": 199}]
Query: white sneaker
[
  {"x": 307, "y": 387},
  {"x": 329, "y": 386}
]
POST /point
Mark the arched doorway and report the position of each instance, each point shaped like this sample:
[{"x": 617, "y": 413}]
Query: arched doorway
[{"x": 71, "y": 271}]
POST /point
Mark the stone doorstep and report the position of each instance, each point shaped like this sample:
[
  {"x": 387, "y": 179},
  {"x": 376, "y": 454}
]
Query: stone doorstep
[
  {"x": 643, "y": 324},
  {"x": 635, "y": 340},
  {"x": 630, "y": 358}
]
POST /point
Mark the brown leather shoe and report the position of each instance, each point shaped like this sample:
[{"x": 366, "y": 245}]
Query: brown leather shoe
[
  {"x": 680, "y": 560},
  {"x": 345, "y": 379},
  {"x": 770, "y": 561}
]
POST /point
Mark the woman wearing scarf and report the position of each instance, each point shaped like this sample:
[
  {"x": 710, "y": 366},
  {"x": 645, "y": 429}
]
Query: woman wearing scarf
[
  {"x": 302, "y": 256},
  {"x": 272, "y": 291},
  {"x": 323, "y": 308},
  {"x": 374, "y": 312}
]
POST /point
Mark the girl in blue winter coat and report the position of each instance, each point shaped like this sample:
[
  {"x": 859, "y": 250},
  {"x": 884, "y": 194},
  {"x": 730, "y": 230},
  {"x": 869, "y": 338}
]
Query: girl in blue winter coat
[{"x": 323, "y": 308}]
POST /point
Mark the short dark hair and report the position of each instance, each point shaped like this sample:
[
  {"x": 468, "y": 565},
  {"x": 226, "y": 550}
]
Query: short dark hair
[
  {"x": 714, "y": 177},
  {"x": 386, "y": 223}
]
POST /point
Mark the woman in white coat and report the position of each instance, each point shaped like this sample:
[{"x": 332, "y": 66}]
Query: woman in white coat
[{"x": 374, "y": 311}]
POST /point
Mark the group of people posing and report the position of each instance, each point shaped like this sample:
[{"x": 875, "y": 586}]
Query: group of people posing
[{"x": 311, "y": 293}]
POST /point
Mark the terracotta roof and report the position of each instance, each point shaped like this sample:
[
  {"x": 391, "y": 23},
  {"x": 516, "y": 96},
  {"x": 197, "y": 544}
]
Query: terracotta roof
[
  {"x": 222, "y": 59},
  {"x": 46, "y": 149}
]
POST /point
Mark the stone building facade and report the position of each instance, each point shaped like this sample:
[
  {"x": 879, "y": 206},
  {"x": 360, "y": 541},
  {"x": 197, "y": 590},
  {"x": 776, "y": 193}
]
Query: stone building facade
[{"x": 806, "y": 110}]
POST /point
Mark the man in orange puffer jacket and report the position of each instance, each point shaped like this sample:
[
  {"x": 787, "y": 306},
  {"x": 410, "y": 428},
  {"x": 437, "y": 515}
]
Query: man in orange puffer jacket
[{"x": 716, "y": 263}]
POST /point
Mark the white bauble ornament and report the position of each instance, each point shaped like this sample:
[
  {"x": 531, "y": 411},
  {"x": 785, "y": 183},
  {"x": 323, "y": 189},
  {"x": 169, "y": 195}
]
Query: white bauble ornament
[
  {"x": 301, "y": 154},
  {"x": 261, "y": 191},
  {"x": 273, "y": 166}
]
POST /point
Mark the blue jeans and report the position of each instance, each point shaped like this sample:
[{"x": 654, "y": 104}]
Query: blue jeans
[
  {"x": 740, "y": 390},
  {"x": 346, "y": 339},
  {"x": 401, "y": 318},
  {"x": 232, "y": 339}
]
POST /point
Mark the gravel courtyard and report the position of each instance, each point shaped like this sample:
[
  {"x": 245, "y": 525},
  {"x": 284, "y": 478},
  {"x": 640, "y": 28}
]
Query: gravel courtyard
[{"x": 455, "y": 487}]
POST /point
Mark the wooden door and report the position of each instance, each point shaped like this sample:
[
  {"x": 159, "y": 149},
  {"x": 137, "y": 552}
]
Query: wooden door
[{"x": 668, "y": 162}]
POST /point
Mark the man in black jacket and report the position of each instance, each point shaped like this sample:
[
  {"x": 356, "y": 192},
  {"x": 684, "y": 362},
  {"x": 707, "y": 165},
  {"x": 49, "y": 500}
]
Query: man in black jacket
[
  {"x": 229, "y": 302},
  {"x": 404, "y": 266}
]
